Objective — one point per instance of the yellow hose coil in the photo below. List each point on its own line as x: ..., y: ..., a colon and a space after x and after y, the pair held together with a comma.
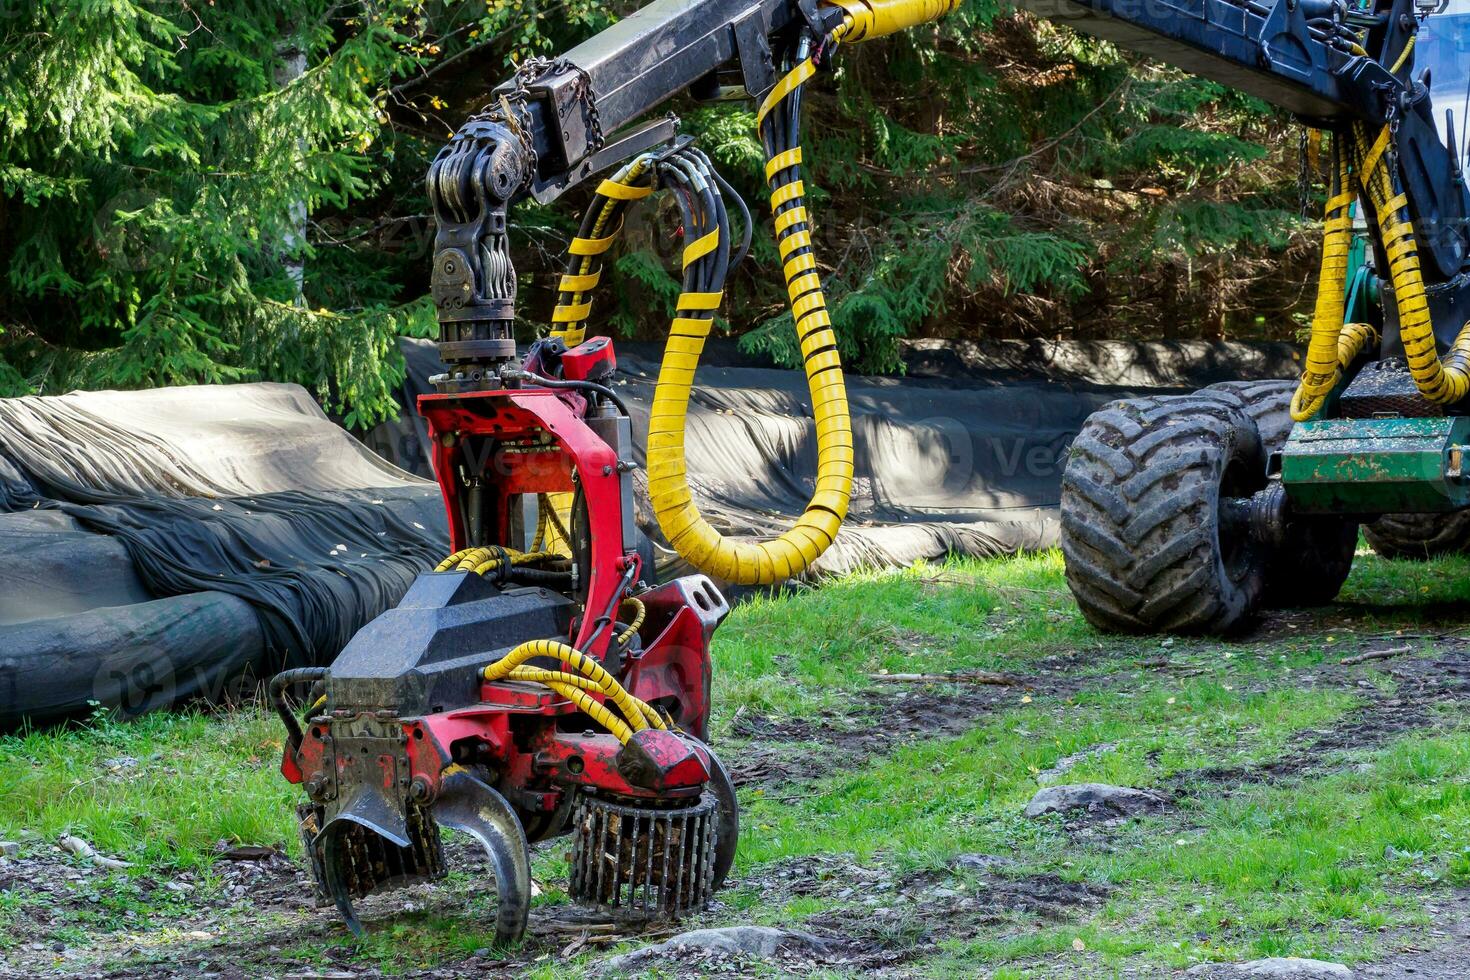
x: 639, y: 714
x: 1365, y: 168
x: 1321, y: 373
x: 539, y: 675
x: 551, y: 528
x: 750, y: 562
x: 482, y: 560
x: 574, y: 305
x: 1444, y: 381
x: 640, y: 613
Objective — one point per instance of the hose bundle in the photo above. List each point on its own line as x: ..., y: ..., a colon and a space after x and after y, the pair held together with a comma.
x: 706, y: 265
x: 578, y: 688
x: 601, y: 226
x: 1366, y: 168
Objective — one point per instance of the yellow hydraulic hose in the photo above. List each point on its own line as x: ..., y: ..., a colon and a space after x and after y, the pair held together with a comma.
x: 639, y: 715
x: 482, y: 560
x: 1321, y: 373
x: 1398, y: 66
x: 640, y: 612
x: 538, y: 675
x: 1444, y: 381
x: 867, y: 19
x: 613, y: 195
x: 743, y: 563
x: 764, y: 562
x: 1365, y: 168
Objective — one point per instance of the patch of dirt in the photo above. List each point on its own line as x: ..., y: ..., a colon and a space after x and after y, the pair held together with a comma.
x: 1423, y: 687
x: 836, y: 741
x: 883, y: 921
x: 73, y: 922
x: 1441, y: 953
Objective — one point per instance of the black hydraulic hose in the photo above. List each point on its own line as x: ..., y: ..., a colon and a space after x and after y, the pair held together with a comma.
x: 746, y: 222
x: 686, y: 210
x: 278, y: 685
x: 540, y: 576
x: 609, y: 615
x: 717, y: 186
x: 715, y: 266
x: 602, y: 390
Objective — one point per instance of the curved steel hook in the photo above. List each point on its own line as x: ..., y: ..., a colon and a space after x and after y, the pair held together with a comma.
x: 468, y: 805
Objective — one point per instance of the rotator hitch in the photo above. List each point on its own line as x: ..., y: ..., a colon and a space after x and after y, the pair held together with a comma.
x: 539, y: 682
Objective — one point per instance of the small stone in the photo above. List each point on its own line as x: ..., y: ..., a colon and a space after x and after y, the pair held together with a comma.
x: 1094, y: 796
x: 981, y: 862
x: 179, y: 888
x: 9, y: 849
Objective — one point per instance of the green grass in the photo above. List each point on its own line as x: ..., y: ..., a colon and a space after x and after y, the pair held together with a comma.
x: 161, y: 790
x: 805, y: 650
x: 1312, y: 864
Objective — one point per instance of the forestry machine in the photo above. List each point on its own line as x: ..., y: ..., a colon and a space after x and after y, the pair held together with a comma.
x: 1188, y: 513
x: 538, y: 683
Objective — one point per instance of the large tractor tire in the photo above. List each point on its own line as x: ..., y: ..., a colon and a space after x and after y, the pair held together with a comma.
x: 1151, y: 518
x: 1316, y: 556
x: 1266, y: 403
x: 1419, y: 537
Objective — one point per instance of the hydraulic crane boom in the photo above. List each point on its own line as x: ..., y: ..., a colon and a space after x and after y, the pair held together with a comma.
x: 556, y: 123
x: 1325, y: 61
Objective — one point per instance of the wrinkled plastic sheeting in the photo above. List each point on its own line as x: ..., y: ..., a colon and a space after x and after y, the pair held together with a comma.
x: 184, y: 543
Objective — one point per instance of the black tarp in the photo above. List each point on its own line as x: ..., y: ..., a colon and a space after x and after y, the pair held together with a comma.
x: 163, y: 545
x: 960, y: 455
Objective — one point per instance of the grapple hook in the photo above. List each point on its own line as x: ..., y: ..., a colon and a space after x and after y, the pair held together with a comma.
x: 370, y: 848
x: 470, y: 806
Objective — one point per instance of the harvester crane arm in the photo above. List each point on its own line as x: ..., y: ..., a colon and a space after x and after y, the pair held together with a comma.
x: 556, y: 123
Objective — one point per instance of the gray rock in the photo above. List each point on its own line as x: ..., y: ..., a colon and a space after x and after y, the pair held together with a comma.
x: 981, y: 862
x: 1094, y: 796
x: 1287, y: 967
x: 9, y: 849
x: 756, y: 942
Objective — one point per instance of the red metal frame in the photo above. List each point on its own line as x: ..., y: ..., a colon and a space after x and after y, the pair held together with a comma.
x: 518, y: 420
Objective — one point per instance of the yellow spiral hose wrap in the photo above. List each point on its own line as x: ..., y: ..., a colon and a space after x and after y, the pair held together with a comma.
x: 867, y: 19
x: 688, y: 532
x: 590, y: 677
x: 574, y: 305
x: 1366, y: 169
x: 1321, y: 373
x: 1443, y: 382
x: 790, y: 554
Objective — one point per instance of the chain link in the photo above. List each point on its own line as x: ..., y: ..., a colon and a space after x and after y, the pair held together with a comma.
x: 534, y: 69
